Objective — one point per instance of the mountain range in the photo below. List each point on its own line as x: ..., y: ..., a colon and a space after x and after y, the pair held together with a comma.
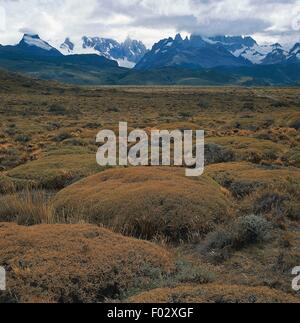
x: 197, y: 60
x: 202, y: 52
x: 127, y: 54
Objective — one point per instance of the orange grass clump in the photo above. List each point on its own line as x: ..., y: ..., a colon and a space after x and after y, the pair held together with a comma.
x: 146, y: 202
x: 74, y: 263
x: 214, y: 293
x: 243, y: 171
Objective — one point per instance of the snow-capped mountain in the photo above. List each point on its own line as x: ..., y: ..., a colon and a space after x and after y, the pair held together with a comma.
x: 33, y: 44
x: 67, y: 47
x: 248, y: 48
x: 193, y: 52
x: 239, y: 46
x: 277, y: 55
x: 294, y: 54
x: 208, y: 52
x: 127, y: 54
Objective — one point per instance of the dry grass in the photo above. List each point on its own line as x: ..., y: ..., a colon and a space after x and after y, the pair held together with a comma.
x: 26, y: 208
x: 214, y: 293
x: 47, y: 140
x: 251, y: 149
x: 146, y: 202
x: 243, y: 178
x: 75, y: 263
x: 57, y: 169
x: 6, y: 185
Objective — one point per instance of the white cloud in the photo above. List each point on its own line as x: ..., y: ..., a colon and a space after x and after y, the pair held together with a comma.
x: 150, y: 20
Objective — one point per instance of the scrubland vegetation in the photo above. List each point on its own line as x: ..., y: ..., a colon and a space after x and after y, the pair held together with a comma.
x: 71, y: 231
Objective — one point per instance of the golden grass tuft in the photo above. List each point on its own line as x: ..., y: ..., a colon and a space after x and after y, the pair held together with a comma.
x: 214, y: 293
x: 75, y: 263
x: 6, y: 185
x: 251, y: 149
x: 56, y: 171
x: 26, y: 208
x: 243, y: 171
x: 146, y: 202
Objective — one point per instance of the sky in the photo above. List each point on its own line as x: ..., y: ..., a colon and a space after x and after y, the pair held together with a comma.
x: 268, y: 21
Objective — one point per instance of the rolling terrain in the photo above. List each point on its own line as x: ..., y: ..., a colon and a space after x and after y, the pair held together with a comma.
x: 231, y: 235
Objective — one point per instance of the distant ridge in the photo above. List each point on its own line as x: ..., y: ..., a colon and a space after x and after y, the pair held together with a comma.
x: 197, y: 60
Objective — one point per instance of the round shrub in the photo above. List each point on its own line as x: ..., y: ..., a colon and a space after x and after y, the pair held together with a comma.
x: 75, y: 263
x: 251, y: 229
x: 146, y: 202
x: 295, y: 124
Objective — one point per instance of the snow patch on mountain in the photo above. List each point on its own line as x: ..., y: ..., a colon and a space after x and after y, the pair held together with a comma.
x: 127, y: 54
x: 35, y: 41
x: 125, y: 63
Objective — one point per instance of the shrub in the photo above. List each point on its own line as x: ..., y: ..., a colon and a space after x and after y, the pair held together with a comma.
x: 244, y: 178
x: 268, y: 202
x: 146, y: 202
x: 251, y: 229
x: 293, y: 210
x: 240, y: 189
x: 10, y: 131
x: 184, y: 272
x: 57, y: 109
x: 53, y: 126
x: 249, y: 106
x: 218, y: 240
x: 10, y: 157
x: 241, y: 233
x: 75, y: 142
x: 217, y: 154
x: 185, y: 114
x: 23, y: 138
x: 75, y: 263
x: 62, y: 136
x: 187, y: 272
x: 58, y: 169
x: 295, y: 124
x: 93, y: 125
x: 213, y: 293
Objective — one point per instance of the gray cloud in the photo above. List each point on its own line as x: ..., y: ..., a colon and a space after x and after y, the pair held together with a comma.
x: 151, y: 20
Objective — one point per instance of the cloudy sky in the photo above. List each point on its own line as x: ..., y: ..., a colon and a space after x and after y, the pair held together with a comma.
x: 149, y: 20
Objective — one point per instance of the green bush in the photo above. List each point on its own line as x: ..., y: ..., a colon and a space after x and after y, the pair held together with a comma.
x: 245, y: 231
x: 57, y: 109
x: 62, y: 136
x: 23, y: 138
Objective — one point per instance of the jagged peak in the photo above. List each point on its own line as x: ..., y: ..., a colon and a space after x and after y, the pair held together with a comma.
x: 178, y: 37
x: 31, y: 35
